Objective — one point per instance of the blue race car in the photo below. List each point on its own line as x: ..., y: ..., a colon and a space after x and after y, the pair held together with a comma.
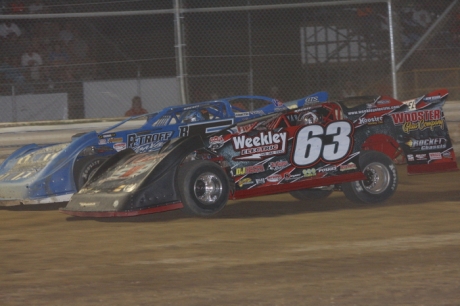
x: 36, y: 174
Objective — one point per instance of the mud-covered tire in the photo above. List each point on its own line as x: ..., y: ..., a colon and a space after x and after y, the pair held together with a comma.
x: 84, y: 168
x: 203, y: 187
x: 310, y: 195
x: 381, y: 182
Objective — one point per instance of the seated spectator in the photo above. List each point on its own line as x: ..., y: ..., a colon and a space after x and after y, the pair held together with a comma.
x: 79, y: 47
x: 369, y: 23
x: 32, y: 60
x: 348, y: 90
x: 36, y: 7
x: 58, y: 60
x: 421, y: 16
x: 16, y: 7
x: 455, y: 29
x: 10, y: 42
x: 9, y: 28
x: 12, y: 74
x: 275, y: 93
x: 136, y: 108
x: 66, y: 34
x: 411, y: 30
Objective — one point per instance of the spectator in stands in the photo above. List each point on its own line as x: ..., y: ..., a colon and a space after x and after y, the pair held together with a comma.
x: 12, y: 74
x: 348, y: 90
x: 136, y: 108
x: 421, y: 16
x: 36, y: 7
x: 58, y: 59
x: 369, y: 23
x: 78, y: 46
x: 8, y: 28
x: 16, y: 7
x: 275, y: 93
x: 455, y: 30
x: 32, y: 60
x: 411, y: 30
x: 66, y: 34
x: 10, y: 44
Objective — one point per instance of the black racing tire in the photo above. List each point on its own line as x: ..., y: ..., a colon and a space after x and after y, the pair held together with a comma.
x: 311, y: 194
x: 84, y: 168
x: 381, y: 182
x: 203, y: 187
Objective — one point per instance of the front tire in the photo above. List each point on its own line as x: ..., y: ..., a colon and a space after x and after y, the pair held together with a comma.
x: 84, y: 168
x: 203, y: 187
x: 381, y: 182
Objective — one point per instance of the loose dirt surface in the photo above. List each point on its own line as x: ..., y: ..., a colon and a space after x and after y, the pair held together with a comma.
x: 271, y: 250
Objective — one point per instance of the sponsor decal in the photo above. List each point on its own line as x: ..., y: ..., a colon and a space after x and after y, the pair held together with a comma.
x: 447, y: 154
x: 420, y: 156
x: 115, y: 140
x: 110, y: 135
x: 135, y: 140
x: 245, y: 128
x: 382, y: 102
x: 155, y: 146
x: 119, y: 146
x: 347, y: 167
x: 260, y: 181
x: 372, y: 109
x: 427, y: 144
x: 311, y: 99
x: 419, y: 120
x: 309, y: 172
x: 102, y: 141
x: 370, y: 121
x: 290, y: 177
x: 245, y: 181
x: 432, y: 98
x: 278, y: 165
x: 249, y: 170
x: 261, y: 146
x: 274, y: 178
x: 87, y: 204
x: 410, y: 157
x: 246, y: 114
x: 435, y: 155
x: 216, y: 142
x: 327, y: 169
x: 191, y: 107
x: 411, y: 104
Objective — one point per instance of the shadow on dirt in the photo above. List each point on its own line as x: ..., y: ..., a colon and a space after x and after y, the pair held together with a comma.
x: 34, y: 207
x: 266, y: 209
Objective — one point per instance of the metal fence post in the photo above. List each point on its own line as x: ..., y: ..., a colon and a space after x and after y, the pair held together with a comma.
x: 180, y: 57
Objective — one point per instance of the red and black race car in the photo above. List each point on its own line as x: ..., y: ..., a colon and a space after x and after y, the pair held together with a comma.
x: 310, y: 152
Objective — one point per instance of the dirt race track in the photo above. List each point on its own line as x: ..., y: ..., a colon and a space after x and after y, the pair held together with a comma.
x: 270, y: 250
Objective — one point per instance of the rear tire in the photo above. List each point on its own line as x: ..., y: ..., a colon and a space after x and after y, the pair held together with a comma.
x: 381, y: 182
x: 85, y: 168
x: 203, y: 187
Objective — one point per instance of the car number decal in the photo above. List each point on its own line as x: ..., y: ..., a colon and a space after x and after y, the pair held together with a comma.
x: 315, y: 143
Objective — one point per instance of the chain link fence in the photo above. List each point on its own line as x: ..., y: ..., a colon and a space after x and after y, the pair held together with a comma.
x: 88, y: 59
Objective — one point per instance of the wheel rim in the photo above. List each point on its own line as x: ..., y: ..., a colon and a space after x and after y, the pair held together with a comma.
x: 378, y: 178
x: 207, y: 188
